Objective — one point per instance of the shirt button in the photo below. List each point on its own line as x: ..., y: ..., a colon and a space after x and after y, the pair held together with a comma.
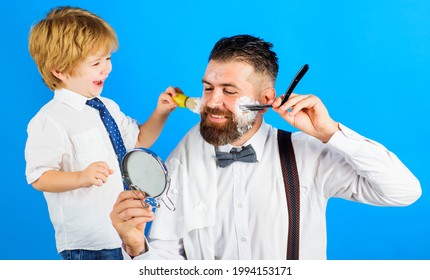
x: 239, y: 205
x: 243, y: 239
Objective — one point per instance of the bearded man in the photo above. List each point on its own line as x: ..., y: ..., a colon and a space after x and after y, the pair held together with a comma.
x: 235, y: 206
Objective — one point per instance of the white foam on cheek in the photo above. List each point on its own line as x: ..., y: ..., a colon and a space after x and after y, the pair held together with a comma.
x: 245, y: 117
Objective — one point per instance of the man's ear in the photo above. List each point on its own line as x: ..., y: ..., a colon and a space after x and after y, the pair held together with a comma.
x: 59, y: 75
x: 268, y: 95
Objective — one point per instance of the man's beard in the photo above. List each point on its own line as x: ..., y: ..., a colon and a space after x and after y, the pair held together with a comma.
x: 225, y: 133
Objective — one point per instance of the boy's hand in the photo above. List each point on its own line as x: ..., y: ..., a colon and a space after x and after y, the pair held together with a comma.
x: 165, y: 102
x: 95, y: 174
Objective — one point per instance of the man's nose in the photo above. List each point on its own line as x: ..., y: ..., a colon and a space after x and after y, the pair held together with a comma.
x: 215, y: 99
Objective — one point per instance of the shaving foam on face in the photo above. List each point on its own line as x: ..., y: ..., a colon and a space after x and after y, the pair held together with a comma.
x: 245, y: 117
x: 214, y: 76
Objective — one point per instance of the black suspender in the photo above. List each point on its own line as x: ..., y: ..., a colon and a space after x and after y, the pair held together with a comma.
x: 292, y: 191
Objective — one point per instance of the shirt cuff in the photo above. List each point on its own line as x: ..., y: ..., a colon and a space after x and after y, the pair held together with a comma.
x: 128, y: 257
x: 346, y: 141
x: 36, y: 174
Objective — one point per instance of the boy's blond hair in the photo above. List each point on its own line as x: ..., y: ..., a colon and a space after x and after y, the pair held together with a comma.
x: 67, y: 36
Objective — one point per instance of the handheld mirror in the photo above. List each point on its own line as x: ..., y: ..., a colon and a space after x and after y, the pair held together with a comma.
x: 145, y: 172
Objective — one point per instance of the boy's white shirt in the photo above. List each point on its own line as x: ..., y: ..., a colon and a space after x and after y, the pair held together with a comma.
x: 68, y: 135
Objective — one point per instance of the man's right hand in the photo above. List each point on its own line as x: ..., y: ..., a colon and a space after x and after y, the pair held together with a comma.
x: 129, y: 218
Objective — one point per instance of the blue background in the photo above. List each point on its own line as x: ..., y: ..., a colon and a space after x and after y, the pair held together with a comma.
x: 369, y: 63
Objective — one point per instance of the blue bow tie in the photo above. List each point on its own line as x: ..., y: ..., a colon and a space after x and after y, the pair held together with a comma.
x: 247, y: 154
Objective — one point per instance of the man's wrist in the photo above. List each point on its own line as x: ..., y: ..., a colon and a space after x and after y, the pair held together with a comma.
x: 330, y: 132
x: 134, y: 252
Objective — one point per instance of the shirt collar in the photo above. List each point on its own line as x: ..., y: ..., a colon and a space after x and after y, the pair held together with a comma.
x: 70, y: 98
x: 257, y: 141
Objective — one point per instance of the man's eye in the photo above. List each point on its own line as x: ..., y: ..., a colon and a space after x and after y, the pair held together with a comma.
x: 229, y: 92
x: 208, y: 89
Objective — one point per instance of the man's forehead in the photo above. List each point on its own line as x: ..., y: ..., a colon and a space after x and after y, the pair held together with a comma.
x: 213, y: 76
x: 227, y: 72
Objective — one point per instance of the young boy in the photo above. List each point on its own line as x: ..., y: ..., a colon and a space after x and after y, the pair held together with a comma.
x: 69, y: 154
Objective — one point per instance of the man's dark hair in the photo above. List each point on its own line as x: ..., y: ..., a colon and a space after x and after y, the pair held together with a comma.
x: 252, y: 50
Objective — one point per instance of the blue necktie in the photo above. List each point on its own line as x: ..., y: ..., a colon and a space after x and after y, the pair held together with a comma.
x: 111, y: 127
x: 247, y: 154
